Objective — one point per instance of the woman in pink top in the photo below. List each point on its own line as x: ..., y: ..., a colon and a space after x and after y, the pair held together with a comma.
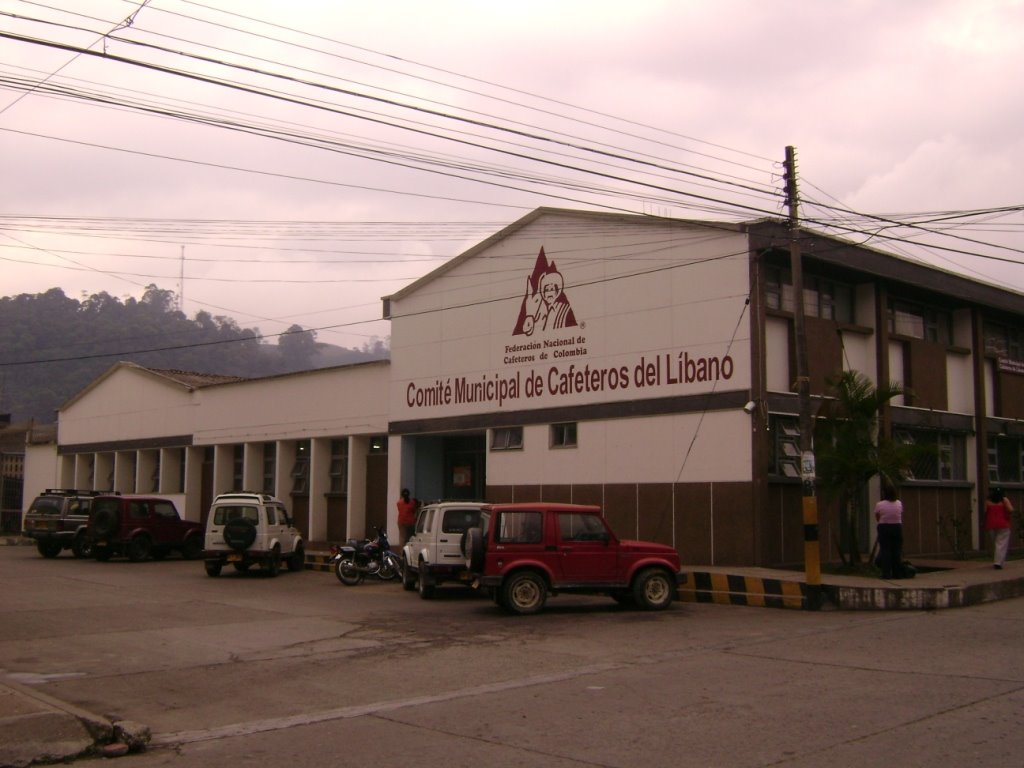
x: 997, y: 520
x: 889, y: 517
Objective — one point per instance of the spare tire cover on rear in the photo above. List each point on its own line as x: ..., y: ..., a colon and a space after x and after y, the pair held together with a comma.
x: 105, y: 521
x: 473, y: 548
x: 239, y: 533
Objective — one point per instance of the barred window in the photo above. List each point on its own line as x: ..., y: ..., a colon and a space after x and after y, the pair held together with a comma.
x: 1004, y: 341
x: 939, y: 455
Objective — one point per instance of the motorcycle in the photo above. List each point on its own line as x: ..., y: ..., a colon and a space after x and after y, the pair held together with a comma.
x: 355, y: 560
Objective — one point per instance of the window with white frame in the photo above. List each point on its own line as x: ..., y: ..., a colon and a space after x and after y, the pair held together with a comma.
x: 823, y: 297
x: 785, y: 446
x: 269, y: 467
x: 507, y: 439
x: 339, y: 466
x: 300, y: 469
x: 238, y: 467
x: 563, y: 435
x: 1005, y: 459
x: 919, y: 321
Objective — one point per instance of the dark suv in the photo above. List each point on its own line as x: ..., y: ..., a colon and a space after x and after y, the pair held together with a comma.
x: 141, y: 527
x: 57, y: 520
x: 524, y: 552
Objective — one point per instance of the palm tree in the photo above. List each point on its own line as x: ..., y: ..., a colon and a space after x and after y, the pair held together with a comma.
x: 849, y: 450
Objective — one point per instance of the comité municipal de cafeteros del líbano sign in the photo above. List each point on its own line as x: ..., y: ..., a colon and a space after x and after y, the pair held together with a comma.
x: 546, y: 358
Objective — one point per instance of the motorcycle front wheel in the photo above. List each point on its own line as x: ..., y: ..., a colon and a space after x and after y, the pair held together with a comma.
x: 390, y: 568
x: 347, y: 573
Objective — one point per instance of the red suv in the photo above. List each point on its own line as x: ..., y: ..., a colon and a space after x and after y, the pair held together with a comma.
x: 524, y: 552
x: 141, y: 527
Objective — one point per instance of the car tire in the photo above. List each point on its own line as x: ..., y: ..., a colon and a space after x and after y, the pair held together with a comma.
x: 139, y: 548
x: 81, y: 547
x: 625, y: 599
x: 213, y: 567
x: 192, y: 547
x: 473, y: 549
x: 408, y: 577
x: 239, y: 534
x: 424, y: 584
x: 653, y: 590
x: 524, y: 593
x: 104, y: 522
x: 49, y: 549
x: 297, y: 560
x: 273, y: 563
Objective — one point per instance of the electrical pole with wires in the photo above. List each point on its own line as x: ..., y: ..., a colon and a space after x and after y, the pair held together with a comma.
x: 812, y: 551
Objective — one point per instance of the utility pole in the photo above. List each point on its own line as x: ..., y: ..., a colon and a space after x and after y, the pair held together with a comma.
x: 812, y: 551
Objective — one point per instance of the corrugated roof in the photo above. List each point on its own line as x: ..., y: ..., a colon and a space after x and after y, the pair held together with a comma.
x: 195, y: 379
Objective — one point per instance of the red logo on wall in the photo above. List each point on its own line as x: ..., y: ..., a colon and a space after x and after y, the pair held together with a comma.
x: 544, y: 304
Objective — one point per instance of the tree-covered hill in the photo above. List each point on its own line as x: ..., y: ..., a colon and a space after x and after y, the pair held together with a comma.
x: 52, y: 346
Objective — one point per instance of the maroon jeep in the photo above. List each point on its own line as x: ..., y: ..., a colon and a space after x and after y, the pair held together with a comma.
x: 141, y: 527
x: 522, y: 553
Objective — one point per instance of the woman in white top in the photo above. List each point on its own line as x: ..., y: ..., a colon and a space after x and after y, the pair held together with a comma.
x: 889, y: 517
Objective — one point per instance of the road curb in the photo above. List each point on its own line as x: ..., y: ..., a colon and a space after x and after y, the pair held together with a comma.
x: 730, y: 588
x: 35, y: 727
x: 736, y: 589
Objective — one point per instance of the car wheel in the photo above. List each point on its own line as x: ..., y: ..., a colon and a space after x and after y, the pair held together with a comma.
x: 139, y: 548
x: 473, y: 549
x: 424, y: 584
x: 239, y: 534
x: 408, y: 577
x: 653, y: 590
x: 524, y: 593
x: 49, y: 549
x: 192, y: 547
x: 81, y: 547
x: 297, y: 561
x: 213, y: 567
x: 104, y: 522
x: 101, y: 553
x: 273, y: 564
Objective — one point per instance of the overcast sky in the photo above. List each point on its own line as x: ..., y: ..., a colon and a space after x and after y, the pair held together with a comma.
x: 296, y: 161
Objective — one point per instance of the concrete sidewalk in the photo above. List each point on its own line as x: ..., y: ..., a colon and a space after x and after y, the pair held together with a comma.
x: 938, y: 584
x: 37, y: 728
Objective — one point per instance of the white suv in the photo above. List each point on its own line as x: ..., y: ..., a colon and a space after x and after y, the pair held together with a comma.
x: 251, y: 528
x: 433, y: 554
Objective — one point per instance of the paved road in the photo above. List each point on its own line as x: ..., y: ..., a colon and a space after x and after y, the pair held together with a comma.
x: 248, y: 669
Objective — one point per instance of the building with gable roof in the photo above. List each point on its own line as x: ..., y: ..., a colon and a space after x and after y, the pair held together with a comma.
x: 643, y: 364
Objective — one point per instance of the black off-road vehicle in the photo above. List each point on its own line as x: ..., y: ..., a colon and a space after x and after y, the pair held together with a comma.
x: 57, y: 520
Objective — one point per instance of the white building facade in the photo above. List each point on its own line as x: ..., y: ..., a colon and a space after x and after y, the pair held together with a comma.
x: 643, y: 364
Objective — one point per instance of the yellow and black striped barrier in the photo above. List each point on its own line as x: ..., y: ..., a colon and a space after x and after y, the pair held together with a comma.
x: 730, y: 589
